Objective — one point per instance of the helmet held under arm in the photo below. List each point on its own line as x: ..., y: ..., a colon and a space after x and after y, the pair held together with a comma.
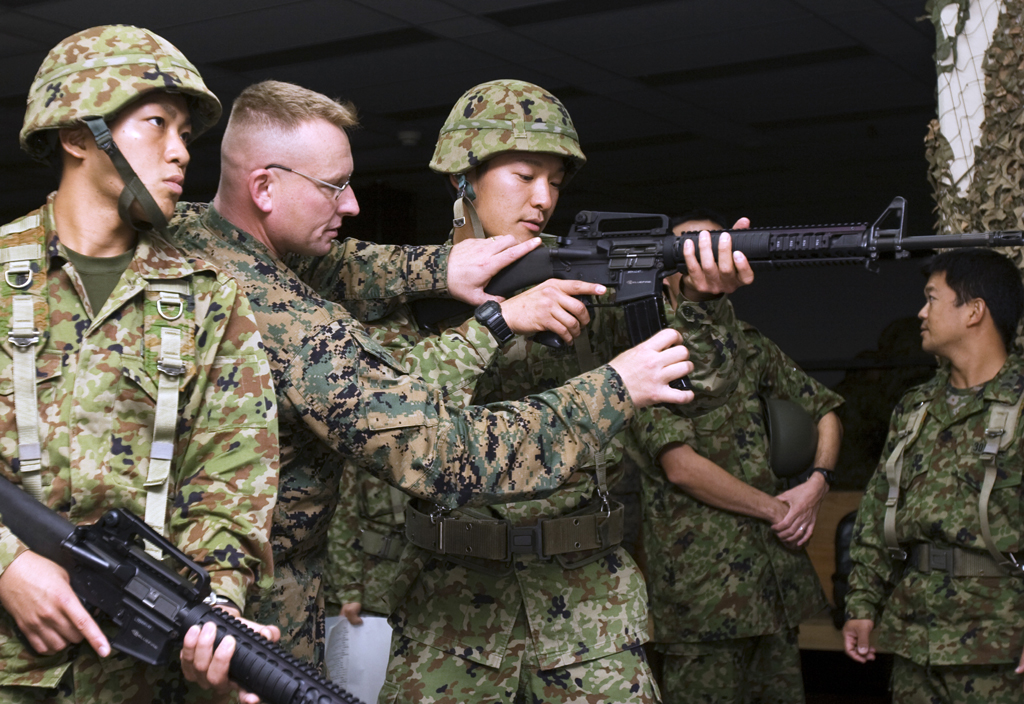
x: 89, y: 77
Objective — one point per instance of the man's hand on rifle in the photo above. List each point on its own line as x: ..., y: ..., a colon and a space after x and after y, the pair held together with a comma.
x: 473, y: 262
x: 648, y: 368
x: 38, y: 594
x: 550, y: 306
x: 207, y: 667
x: 708, y: 278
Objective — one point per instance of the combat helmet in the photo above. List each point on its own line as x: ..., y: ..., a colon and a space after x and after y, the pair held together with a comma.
x: 92, y: 75
x: 502, y: 116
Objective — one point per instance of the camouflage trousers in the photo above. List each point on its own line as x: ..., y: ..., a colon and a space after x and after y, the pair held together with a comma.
x: 295, y: 604
x: 955, y: 684
x: 419, y: 674
x: 763, y: 669
x: 119, y: 679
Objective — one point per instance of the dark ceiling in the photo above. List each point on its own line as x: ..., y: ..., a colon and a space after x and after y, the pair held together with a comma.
x: 787, y: 111
x: 782, y: 110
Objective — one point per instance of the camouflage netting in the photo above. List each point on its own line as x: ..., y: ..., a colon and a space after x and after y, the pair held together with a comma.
x: 993, y: 200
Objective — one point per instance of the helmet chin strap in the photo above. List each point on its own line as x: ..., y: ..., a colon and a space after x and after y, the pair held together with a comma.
x: 466, y: 223
x: 134, y: 190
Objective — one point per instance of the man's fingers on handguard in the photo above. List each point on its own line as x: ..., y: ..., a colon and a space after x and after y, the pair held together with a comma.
x: 725, y: 262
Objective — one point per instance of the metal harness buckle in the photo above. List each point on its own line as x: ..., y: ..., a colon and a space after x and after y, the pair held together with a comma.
x: 898, y: 554
x: 23, y: 339
x: 18, y: 269
x: 170, y: 369
x: 1017, y: 568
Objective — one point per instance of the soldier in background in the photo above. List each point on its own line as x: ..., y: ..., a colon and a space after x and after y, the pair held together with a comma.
x: 556, y: 612
x: 152, y: 389
x: 728, y: 579
x: 284, y: 190
x: 364, y: 546
x: 937, y: 546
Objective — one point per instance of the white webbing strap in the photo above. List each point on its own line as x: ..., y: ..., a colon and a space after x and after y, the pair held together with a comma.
x: 170, y: 366
x: 893, y: 472
x: 999, y: 433
x: 23, y: 338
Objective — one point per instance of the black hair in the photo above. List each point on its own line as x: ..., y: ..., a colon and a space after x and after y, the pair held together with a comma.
x: 988, y: 275
x: 699, y: 214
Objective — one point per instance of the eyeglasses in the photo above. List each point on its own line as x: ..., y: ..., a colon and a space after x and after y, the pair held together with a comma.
x: 337, y: 189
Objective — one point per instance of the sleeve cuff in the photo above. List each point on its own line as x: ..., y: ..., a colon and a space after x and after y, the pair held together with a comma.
x: 604, y: 395
x: 10, y: 548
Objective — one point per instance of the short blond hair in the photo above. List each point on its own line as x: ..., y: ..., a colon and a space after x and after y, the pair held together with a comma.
x: 286, y: 106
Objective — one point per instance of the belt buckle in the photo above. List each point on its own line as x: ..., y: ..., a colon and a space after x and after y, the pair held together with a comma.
x: 940, y: 559
x: 526, y: 540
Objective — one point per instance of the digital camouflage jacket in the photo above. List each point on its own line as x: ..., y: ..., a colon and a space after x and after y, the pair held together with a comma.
x: 713, y: 574
x: 96, y: 385
x: 342, y: 395
x: 935, y: 619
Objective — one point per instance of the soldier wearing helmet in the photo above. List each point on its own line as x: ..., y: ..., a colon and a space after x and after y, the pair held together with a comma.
x: 133, y: 355
x: 533, y: 597
x: 284, y: 190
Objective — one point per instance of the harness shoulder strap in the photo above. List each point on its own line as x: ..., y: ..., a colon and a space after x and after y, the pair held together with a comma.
x: 22, y: 255
x: 999, y: 434
x: 166, y: 299
x: 894, y: 471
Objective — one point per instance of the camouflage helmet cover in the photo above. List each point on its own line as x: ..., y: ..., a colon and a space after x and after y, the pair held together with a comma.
x: 502, y: 116
x: 99, y: 71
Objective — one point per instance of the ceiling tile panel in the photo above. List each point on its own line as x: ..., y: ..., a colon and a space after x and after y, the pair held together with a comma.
x: 289, y: 26
x: 79, y: 14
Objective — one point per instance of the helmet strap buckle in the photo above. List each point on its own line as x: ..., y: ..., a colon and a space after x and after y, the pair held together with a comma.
x: 466, y: 223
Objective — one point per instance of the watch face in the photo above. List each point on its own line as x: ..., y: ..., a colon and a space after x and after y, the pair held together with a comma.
x: 487, y: 310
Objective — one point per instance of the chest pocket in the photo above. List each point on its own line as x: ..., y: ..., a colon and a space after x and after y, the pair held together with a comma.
x: 48, y: 371
x: 1004, y: 497
x: 48, y: 366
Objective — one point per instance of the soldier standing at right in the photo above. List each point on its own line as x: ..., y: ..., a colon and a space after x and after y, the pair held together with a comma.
x: 937, y: 547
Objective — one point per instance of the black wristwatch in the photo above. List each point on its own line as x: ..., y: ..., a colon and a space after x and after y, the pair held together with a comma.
x: 489, y: 315
x: 830, y: 476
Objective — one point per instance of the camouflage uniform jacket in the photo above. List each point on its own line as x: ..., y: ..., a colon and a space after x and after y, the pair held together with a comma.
x: 935, y: 619
x: 368, y: 510
x: 341, y: 393
x: 96, y: 382
x: 574, y: 614
x: 713, y: 574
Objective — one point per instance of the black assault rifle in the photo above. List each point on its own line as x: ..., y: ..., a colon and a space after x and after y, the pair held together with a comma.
x: 152, y: 603
x: 633, y: 252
